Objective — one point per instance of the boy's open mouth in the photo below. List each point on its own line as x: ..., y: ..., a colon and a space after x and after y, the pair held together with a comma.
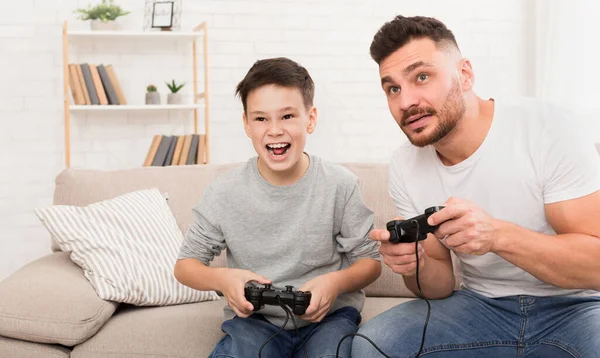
x: 278, y: 148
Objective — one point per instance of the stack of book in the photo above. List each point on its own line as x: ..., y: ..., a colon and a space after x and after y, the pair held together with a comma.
x: 95, y: 84
x: 168, y: 150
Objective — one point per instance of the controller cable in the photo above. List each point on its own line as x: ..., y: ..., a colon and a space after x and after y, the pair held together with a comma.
x: 288, y: 315
x: 337, y: 352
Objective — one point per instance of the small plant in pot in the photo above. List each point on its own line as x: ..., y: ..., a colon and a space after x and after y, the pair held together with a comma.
x: 103, y: 15
x: 174, y: 97
x: 152, y: 97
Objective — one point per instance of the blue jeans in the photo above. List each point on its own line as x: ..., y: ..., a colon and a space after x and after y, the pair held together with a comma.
x: 467, y: 324
x: 245, y: 336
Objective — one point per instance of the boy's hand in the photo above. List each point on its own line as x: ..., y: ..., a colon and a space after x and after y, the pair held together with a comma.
x: 233, y: 284
x: 324, y: 291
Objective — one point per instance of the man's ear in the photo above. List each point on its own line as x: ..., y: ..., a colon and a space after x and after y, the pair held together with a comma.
x: 466, y: 74
x: 312, y: 120
x: 246, y: 125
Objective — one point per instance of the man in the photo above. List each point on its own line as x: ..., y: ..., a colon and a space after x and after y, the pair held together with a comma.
x: 520, y: 184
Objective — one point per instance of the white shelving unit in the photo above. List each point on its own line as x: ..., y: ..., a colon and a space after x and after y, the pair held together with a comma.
x: 199, y: 32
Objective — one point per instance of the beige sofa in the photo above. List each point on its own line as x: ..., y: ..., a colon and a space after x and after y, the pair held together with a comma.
x: 48, y: 308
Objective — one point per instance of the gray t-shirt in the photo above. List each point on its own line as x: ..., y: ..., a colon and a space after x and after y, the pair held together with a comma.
x: 288, y: 234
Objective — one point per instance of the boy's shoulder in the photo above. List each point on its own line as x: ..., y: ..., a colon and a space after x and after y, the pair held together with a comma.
x: 335, y: 172
x: 231, y: 178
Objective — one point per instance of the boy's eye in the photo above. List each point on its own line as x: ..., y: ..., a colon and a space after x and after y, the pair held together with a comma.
x: 422, y: 77
x: 288, y: 116
x: 260, y: 119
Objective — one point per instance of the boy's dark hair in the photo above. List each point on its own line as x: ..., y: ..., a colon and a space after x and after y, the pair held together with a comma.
x: 279, y: 71
x: 398, y: 32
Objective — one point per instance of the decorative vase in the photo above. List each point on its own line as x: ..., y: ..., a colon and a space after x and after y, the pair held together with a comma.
x: 152, y: 98
x: 174, y: 98
x: 98, y: 25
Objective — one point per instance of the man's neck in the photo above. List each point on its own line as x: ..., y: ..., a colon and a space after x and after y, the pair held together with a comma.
x: 469, y: 133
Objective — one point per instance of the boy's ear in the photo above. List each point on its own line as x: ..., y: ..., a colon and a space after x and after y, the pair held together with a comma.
x: 246, y: 126
x: 312, y: 120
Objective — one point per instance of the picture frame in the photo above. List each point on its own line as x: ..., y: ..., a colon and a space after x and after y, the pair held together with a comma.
x: 162, y: 15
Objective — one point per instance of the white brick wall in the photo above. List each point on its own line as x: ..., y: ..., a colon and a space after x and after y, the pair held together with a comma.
x: 329, y: 37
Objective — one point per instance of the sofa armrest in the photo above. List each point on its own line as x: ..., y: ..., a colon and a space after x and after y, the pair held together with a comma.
x: 50, y: 301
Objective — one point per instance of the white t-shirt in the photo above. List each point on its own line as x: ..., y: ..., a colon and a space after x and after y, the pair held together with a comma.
x: 533, y: 154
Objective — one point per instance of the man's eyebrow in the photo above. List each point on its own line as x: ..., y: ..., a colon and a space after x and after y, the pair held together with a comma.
x: 386, y: 79
x: 414, y: 66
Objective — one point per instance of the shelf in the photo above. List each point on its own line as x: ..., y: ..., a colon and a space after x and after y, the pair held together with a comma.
x: 140, y: 34
x: 141, y: 107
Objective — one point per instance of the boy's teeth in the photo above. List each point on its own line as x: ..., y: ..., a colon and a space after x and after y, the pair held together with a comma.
x: 277, y: 145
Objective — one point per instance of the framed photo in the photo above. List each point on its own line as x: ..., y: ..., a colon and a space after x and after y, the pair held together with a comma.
x: 162, y: 15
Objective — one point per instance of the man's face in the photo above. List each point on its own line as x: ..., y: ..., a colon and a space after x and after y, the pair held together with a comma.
x: 278, y: 122
x: 423, y: 90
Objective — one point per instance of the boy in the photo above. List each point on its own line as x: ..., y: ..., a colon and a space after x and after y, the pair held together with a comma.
x: 286, y: 218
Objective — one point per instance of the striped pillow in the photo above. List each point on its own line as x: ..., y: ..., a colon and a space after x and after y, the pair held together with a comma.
x: 127, y: 247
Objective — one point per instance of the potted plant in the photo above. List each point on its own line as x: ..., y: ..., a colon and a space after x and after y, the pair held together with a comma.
x: 174, y: 97
x: 103, y: 15
x: 152, y: 97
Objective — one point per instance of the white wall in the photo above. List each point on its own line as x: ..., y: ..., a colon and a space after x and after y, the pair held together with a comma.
x: 330, y: 38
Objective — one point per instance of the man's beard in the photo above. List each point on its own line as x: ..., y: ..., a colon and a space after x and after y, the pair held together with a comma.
x: 449, y: 115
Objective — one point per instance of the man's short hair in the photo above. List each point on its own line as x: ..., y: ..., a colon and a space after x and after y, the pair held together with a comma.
x: 398, y: 32
x: 278, y: 71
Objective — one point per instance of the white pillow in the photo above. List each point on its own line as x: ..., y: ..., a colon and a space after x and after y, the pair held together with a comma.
x: 127, y: 247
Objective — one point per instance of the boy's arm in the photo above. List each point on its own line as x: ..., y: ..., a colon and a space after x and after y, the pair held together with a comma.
x: 353, y: 240
x: 356, y: 277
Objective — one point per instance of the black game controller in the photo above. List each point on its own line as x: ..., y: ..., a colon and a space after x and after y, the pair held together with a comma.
x: 405, y: 230
x: 298, y: 301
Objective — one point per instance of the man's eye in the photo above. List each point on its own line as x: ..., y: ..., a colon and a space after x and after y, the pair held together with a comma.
x: 422, y: 77
x: 393, y: 89
x: 288, y: 116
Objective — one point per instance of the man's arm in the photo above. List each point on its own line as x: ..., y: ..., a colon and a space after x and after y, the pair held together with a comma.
x: 436, y: 274
x: 569, y: 259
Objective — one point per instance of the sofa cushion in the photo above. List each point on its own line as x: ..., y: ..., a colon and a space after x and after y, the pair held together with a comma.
x: 50, y: 301
x: 189, y: 330
x: 127, y: 247
x: 15, y: 348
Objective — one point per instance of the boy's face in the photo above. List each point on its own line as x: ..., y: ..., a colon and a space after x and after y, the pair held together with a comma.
x: 277, y: 122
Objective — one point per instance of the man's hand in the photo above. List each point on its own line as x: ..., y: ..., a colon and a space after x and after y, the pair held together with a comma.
x: 233, y: 284
x: 324, y: 291
x: 399, y: 257
x: 470, y: 229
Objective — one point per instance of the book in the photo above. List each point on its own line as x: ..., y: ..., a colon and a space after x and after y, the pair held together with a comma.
x: 178, y: 148
x: 152, y: 150
x: 111, y: 95
x: 193, y: 150
x: 171, y: 151
x: 163, y: 149
x: 75, y: 85
x: 89, y: 83
x: 201, y: 157
x: 86, y: 95
x: 185, y: 151
x: 98, y: 85
x: 116, y: 85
